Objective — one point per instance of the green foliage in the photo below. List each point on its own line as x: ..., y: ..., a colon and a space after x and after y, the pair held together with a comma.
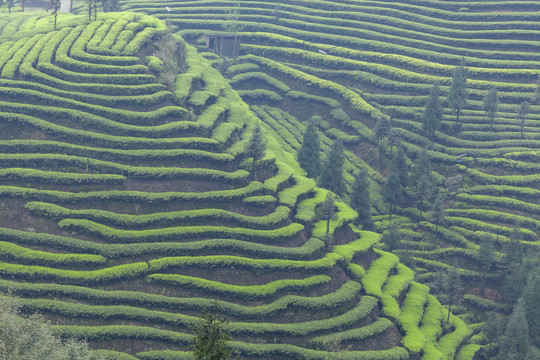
x: 332, y: 169
x: 309, y: 154
x: 360, y: 200
x: 457, y: 95
x: 433, y: 112
x: 211, y: 338
x: 378, y: 272
x: 32, y: 338
x: 515, y: 343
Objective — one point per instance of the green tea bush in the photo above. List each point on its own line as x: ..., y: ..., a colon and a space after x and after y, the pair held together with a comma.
x: 249, y: 292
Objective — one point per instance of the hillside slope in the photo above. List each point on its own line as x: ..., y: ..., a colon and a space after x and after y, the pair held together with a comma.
x: 355, y: 62
x: 127, y: 209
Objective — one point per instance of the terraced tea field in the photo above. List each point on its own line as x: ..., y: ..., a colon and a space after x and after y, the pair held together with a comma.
x: 127, y: 210
x: 354, y: 62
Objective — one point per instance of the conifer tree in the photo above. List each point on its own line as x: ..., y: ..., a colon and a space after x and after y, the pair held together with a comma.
x: 400, y: 164
x: 256, y: 148
x: 309, y: 155
x: 421, y: 166
x: 492, y: 327
x: 422, y: 191
x: 433, y: 112
x: 54, y: 5
x: 361, y: 201
x: 382, y: 130
x: 327, y: 211
x: 10, y: 5
x: 531, y: 298
x: 436, y: 213
x: 514, y: 282
x: 391, y: 237
x: 394, y: 139
x: 523, y: 110
x: 490, y: 105
x: 452, y: 288
x: 332, y: 169
x: 392, y: 190
x: 210, y: 338
x: 515, y: 342
x: 457, y: 96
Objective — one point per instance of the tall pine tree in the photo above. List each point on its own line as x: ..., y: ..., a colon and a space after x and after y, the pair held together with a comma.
x: 309, y: 155
x: 457, y: 96
x: 210, y: 340
x: 360, y: 200
x: 515, y: 342
x: 490, y: 105
x: 332, y: 169
x: 256, y: 148
x: 400, y: 163
x: 433, y: 112
x: 392, y: 190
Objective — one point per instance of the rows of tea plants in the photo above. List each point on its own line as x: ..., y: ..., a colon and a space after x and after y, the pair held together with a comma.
x: 350, y: 64
x: 129, y: 209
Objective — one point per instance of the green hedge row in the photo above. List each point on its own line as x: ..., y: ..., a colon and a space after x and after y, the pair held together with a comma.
x: 408, y: 59
x: 505, y: 190
x: 350, y: 318
x: 449, y: 343
x: 58, y: 178
x: 377, y: 273
x: 250, y: 292
x: 495, y: 216
x: 262, y: 200
x: 260, y: 76
x: 153, y: 94
x: 122, y: 142
x: 512, y: 180
x: 283, y: 351
x: 392, y: 289
x: 500, y: 202
x: 49, y: 51
x: 16, y: 147
x: 412, y: 310
x: 305, y: 210
x: 431, y: 323
x: 343, y: 295
x: 313, y: 98
x: 486, y: 304
x: 56, y: 212
x: 344, y: 215
x: 93, y: 35
x: 376, y: 41
x: 180, y: 232
x: 355, y: 100
x: 122, y: 171
x: 302, y: 187
x: 13, y: 252
x: 327, y: 262
x: 90, y: 277
x: 12, y: 65
x: 131, y: 196
x: 102, y: 113
x: 310, y: 248
x: 63, y: 59
x: 127, y: 313
x: 9, y: 49
x: 260, y: 94
x: 241, y: 68
x: 103, y: 41
x: 358, y: 334
x: 363, y: 244
x: 437, y: 266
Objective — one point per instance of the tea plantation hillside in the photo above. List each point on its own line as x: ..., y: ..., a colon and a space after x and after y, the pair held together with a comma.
x: 128, y: 209
x: 361, y: 67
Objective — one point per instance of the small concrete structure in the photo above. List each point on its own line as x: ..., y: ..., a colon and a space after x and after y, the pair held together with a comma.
x: 223, y: 45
